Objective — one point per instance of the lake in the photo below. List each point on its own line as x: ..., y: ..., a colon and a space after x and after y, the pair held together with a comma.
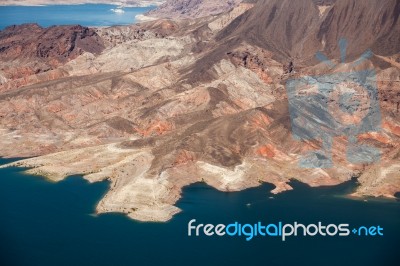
x: 45, y: 223
x: 85, y: 15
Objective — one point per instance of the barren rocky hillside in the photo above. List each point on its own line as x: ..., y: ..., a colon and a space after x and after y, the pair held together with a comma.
x: 192, y: 8
x: 157, y: 106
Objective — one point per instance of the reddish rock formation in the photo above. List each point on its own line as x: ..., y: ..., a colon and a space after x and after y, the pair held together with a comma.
x: 44, y: 48
x: 57, y: 43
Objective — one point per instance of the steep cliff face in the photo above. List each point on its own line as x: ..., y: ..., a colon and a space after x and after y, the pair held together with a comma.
x: 192, y: 8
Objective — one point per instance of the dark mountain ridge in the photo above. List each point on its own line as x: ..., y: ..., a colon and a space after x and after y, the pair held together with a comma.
x: 297, y: 30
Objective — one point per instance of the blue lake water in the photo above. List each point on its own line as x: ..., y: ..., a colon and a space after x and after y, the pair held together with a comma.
x: 44, y: 223
x: 85, y: 15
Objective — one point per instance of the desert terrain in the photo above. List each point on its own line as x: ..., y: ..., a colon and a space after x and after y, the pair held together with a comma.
x: 159, y: 105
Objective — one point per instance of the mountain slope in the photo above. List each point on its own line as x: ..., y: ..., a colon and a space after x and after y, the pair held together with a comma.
x: 296, y: 30
x: 30, y: 49
x: 172, y: 102
x: 192, y: 8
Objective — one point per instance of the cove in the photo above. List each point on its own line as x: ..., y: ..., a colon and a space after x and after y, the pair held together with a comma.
x: 45, y: 223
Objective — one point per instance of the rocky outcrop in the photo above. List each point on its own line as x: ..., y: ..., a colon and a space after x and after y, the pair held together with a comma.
x: 57, y: 44
x: 43, y: 48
